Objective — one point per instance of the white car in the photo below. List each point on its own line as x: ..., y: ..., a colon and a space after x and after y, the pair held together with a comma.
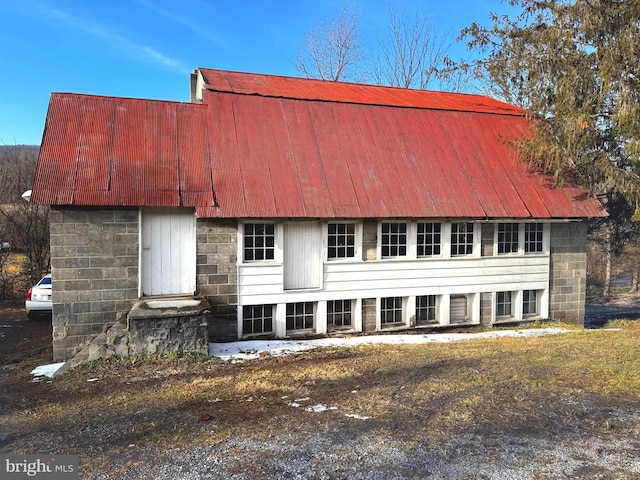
x: 38, y: 300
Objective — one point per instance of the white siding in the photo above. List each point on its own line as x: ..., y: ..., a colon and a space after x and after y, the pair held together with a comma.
x: 264, y: 283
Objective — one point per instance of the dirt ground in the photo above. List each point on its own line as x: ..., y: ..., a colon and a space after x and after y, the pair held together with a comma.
x: 189, y: 439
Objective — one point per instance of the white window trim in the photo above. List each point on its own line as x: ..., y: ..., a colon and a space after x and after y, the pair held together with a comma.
x: 413, y: 308
x: 405, y: 313
x: 277, y: 253
x: 477, y: 243
x: 358, y: 242
x: 442, y: 238
x: 546, y: 239
x: 411, y: 241
x: 520, y: 250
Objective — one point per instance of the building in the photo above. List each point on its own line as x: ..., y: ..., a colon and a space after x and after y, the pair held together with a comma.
x: 302, y: 207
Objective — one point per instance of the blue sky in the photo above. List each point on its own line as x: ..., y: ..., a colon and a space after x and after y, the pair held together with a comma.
x: 147, y: 48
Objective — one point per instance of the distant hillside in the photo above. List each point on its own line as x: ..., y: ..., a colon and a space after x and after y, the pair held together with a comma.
x: 17, y: 168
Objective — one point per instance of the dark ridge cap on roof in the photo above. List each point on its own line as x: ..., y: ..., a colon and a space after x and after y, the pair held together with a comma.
x: 279, y: 86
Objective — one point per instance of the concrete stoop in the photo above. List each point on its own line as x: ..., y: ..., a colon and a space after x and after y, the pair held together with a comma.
x: 154, y: 326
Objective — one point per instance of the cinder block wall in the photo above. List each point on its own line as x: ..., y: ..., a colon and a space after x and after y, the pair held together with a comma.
x: 217, y: 274
x: 568, y: 272
x: 94, y: 266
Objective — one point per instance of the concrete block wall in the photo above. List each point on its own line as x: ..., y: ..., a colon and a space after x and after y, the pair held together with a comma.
x: 369, y: 311
x: 94, y: 265
x: 568, y: 272
x: 217, y: 274
x: 370, y: 239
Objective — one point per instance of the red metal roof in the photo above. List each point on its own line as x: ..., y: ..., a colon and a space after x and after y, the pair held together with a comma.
x: 265, y: 146
x: 309, y: 89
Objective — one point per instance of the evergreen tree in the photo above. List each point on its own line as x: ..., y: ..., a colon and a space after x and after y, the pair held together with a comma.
x: 575, y: 67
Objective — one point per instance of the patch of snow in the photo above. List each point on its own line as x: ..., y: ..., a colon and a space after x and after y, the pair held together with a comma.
x: 319, y: 408
x: 6, y: 326
x: 46, y: 370
x: 93, y: 379
x: 252, y: 349
x: 356, y: 416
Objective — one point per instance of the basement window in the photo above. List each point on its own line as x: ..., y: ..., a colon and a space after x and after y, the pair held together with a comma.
x: 257, y: 319
x: 300, y: 316
x: 426, y: 310
x: 530, y: 303
x: 459, y: 309
x: 390, y: 310
x: 339, y: 314
x: 504, y: 305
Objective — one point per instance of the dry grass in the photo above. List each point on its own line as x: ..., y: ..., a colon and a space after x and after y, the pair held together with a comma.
x: 521, y: 384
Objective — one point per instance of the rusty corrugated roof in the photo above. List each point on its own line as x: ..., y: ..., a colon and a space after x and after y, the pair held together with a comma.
x: 266, y: 146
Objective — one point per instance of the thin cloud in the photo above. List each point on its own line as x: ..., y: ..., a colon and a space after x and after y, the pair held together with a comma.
x: 203, y: 32
x: 123, y: 44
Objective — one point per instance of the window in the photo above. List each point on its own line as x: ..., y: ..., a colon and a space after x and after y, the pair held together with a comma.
x: 461, y: 239
x: 390, y: 310
x: 259, y: 241
x: 503, y: 304
x: 257, y: 319
x: 426, y: 309
x: 299, y: 316
x: 507, y: 238
x: 394, y: 240
x: 339, y: 314
x: 533, y: 234
x: 341, y: 240
x: 529, y: 302
x: 428, y: 239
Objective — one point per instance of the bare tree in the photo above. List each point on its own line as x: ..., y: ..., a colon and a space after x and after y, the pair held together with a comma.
x: 24, y: 225
x: 412, y: 53
x: 333, y: 49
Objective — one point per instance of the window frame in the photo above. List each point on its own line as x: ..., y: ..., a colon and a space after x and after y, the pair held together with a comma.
x: 357, y: 247
x: 510, y: 243
x: 504, y: 302
x: 407, y: 239
x: 305, y: 314
x: 398, y: 307
x: 543, y: 241
x: 472, y: 245
x: 435, y: 309
x: 528, y: 301
x: 261, y: 318
x: 432, y: 244
x: 242, y: 243
x: 332, y: 313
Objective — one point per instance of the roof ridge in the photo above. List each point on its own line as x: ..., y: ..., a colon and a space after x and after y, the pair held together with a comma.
x: 279, y: 86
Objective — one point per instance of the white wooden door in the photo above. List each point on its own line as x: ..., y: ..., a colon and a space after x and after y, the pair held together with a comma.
x: 302, y: 255
x: 168, y: 251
